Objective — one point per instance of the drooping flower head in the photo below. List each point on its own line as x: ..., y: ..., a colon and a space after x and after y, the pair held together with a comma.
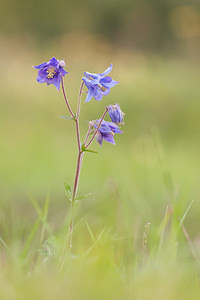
x: 98, y: 84
x: 115, y: 113
x: 106, y: 131
x: 51, y: 71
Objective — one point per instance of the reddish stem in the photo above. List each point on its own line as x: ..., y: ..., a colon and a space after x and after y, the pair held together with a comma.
x: 79, y: 101
x: 65, y: 96
x: 89, y: 128
x: 103, y: 116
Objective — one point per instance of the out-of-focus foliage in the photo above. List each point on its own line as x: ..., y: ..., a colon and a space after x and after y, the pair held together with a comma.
x: 135, y: 24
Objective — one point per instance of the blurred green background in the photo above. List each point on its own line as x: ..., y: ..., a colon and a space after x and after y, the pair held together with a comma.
x: 154, y: 47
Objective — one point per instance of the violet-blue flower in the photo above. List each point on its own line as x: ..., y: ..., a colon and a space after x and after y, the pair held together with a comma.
x: 106, y: 131
x: 98, y: 84
x: 115, y: 113
x: 51, y: 72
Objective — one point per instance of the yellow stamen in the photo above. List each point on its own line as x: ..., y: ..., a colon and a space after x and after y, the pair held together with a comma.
x: 99, y: 85
x: 102, y: 87
x: 51, y: 72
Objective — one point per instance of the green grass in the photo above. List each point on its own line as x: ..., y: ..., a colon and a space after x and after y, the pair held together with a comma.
x: 150, y: 176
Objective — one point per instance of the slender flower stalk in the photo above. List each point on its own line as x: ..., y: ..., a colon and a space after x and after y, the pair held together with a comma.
x: 77, y: 117
x: 88, y: 132
x: 92, y: 138
x: 79, y: 101
x: 71, y: 112
x: 66, y: 100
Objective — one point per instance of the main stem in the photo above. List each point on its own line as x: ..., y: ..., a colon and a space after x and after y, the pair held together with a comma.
x: 80, y: 154
x: 79, y: 160
x: 76, y: 180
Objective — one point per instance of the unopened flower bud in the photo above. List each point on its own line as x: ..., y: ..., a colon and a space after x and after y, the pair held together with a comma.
x: 115, y: 113
x: 62, y: 63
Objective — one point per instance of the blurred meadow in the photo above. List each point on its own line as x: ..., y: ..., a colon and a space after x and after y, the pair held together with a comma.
x: 138, y: 235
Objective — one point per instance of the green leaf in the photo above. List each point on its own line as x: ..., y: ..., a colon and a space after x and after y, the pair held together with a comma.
x: 92, y: 151
x: 83, y: 147
x: 68, y: 191
x: 85, y: 196
x: 68, y: 118
x: 90, y: 231
x: 31, y: 235
x: 185, y: 214
x: 86, y: 150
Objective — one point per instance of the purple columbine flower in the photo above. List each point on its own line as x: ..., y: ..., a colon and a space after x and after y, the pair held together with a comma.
x: 51, y: 71
x: 115, y: 113
x: 106, y: 131
x: 98, y: 84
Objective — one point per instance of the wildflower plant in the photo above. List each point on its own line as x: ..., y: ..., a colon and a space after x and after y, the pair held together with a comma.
x: 98, y: 85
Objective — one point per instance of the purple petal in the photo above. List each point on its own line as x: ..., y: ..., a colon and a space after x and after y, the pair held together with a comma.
x: 114, y: 127
x: 41, y: 66
x: 99, y: 138
x: 56, y: 81
x: 106, y: 79
x: 41, y: 76
x: 105, y: 129
x: 90, y: 94
x: 109, y: 84
x: 62, y: 71
x: 109, y: 138
x: 117, y: 130
x: 107, y: 71
x: 106, y: 92
x: 91, y: 75
x: 97, y: 94
x: 86, y: 81
x: 54, y: 62
x: 41, y: 79
x: 90, y: 83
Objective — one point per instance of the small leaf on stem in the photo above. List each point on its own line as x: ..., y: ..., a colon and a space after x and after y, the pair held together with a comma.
x: 83, y: 149
x: 85, y: 196
x: 68, y: 191
x: 92, y: 151
x: 68, y: 118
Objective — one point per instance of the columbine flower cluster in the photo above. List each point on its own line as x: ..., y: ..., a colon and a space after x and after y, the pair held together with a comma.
x: 98, y: 85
